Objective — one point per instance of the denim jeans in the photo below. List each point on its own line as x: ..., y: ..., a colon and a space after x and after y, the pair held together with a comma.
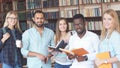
x: 61, y: 66
x: 4, y: 65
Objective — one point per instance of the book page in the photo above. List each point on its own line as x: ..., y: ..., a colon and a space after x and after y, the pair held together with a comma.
x: 78, y: 52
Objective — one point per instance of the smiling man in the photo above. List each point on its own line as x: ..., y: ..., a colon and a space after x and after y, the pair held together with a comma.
x: 83, y: 39
x: 35, y: 43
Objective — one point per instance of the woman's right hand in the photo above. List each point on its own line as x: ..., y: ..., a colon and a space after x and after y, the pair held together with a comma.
x: 5, y: 37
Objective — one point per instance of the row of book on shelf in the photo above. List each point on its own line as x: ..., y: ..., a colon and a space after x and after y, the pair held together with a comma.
x: 91, y: 25
x: 6, y: 0
x: 9, y: 5
x: 50, y: 3
x: 77, y: 2
x: 19, y: 5
x: 96, y: 1
x: 38, y: 4
x: 70, y: 12
x: 32, y: 4
x: 94, y: 25
x: 88, y: 12
x: 91, y: 11
x: 6, y: 7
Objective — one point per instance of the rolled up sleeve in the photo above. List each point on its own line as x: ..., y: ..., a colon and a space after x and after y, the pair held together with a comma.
x: 25, y: 42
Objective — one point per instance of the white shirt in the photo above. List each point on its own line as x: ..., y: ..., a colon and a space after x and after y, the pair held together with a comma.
x: 90, y: 43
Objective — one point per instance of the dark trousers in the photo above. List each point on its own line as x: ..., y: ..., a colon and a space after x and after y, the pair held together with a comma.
x: 61, y: 66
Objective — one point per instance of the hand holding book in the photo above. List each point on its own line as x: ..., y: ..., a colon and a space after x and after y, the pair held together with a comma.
x: 61, y: 44
x: 70, y: 56
x: 101, y: 57
x: 77, y: 52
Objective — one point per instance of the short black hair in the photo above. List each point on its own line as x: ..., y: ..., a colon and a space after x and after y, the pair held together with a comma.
x: 38, y: 11
x: 77, y: 16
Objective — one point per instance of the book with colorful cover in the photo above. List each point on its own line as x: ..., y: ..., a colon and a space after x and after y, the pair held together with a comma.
x: 102, y: 56
x: 78, y: 52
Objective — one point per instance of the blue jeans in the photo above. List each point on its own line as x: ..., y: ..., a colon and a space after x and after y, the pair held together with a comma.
x: 4, y: 65
x: 61, y: 66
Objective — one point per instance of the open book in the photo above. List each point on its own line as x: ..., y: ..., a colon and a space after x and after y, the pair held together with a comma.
x: 61, y: 44
x: 78, y: 52
x: 102, y: 56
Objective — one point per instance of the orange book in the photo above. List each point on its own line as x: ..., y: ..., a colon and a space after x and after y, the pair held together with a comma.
x: 102, y: 56
x: 78, y: 52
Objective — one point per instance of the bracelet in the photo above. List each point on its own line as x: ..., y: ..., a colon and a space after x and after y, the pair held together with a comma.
x: 105, y: 61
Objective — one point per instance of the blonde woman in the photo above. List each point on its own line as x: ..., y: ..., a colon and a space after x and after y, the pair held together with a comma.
x: 10, y: 53
x: 110, y: 38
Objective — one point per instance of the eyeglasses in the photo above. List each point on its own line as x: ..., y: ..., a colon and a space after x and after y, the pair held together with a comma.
x: 11, y: 18
x: 79, y: 24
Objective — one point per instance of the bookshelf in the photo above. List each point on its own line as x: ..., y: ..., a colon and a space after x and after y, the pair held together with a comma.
x: 54, y: 9
x: 17, y: 5
x: 91, y: 9
x: 20, y: 7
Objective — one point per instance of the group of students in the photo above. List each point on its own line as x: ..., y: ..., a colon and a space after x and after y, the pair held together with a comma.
x: 36, y: 42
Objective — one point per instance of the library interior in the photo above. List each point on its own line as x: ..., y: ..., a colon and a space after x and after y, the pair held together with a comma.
x: 55, y: 9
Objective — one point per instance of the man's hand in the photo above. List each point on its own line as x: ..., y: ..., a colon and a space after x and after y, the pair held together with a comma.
x: 70, y: 56
x: 42, y: 57
x: 48, y: 57
x: 50, y: 49
x: 81, y: 58
x: 38, y: 55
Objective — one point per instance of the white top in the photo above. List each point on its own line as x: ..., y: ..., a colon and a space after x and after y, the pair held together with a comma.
x: 90, y: 43
x: 61, y: 58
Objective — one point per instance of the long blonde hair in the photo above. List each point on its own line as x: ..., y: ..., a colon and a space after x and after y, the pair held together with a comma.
x: 17, y: 26
x: 115, y: 23
x: 58, y: 32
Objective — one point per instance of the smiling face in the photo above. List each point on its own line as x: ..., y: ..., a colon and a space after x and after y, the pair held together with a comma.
x: 62, y: 25
x: 79, y: 25
x: 107, y: 21
x: 38, y: 19
x: 12, y: 20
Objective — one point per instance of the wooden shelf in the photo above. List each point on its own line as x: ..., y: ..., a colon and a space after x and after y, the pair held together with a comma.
x: 55, y: 9
x: 98, y: 32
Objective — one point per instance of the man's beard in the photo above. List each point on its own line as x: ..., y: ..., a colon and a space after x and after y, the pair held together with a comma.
x: 38, y: 25
x: 81, y: 32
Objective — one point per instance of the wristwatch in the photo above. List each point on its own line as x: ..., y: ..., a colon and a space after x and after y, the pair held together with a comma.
x: 105, y: 61
x: 86, y: 58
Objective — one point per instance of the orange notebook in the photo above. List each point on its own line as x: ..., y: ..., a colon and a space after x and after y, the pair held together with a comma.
x: 78, y: 52
x: 102, y: 56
